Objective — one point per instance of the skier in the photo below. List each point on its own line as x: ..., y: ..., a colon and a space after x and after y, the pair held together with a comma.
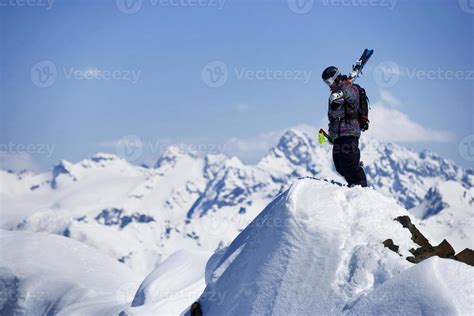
x: 345, y: 126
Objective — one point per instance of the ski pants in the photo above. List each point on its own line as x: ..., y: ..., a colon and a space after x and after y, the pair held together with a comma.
x: 346, y: 156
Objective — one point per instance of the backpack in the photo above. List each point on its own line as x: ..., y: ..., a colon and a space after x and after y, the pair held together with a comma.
x: 363, y: 113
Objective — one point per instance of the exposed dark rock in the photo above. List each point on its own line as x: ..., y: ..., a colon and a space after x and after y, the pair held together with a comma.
x: 416, y: 235
x: 196, y: 309
x: 390, y: 245
x: 426, y: 250
x: 443, y: 250
x: 67, y: 232
x: 115, y: 216
x: 466, y: 256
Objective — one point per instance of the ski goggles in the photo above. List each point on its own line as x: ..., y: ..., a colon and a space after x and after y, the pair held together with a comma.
x: 330, y: 81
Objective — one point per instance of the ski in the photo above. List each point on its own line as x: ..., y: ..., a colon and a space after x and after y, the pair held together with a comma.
x: 359, y: 65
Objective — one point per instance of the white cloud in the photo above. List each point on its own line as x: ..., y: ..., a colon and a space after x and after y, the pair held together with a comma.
x: 390, y: 124
x: 387, y: 98
x: 17, y: 161
x: 253, y: 148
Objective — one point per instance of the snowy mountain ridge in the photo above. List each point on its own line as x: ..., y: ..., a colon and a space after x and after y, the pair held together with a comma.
x: 307, y: 254
x: 191, y: 202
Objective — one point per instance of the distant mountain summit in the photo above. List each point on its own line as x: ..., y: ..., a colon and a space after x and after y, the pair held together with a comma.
x: 188, y: 201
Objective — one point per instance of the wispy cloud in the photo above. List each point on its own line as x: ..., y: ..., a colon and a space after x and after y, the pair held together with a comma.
x: 18, y: 161
x: 387, y: 98
x: 388, y: 123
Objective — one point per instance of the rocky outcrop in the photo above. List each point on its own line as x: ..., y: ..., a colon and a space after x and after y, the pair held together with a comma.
x: 426, y: 250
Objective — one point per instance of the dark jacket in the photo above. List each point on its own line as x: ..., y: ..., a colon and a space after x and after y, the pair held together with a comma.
x: 342, y: 112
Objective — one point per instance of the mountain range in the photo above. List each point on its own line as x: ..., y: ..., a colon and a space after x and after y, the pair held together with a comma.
x: 141, y: 215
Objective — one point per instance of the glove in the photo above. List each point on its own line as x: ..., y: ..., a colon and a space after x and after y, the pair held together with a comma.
x: 364, y: 125
x: 337, y: 97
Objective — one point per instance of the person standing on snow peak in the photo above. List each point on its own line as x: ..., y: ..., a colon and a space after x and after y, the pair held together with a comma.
x: 344, y: 126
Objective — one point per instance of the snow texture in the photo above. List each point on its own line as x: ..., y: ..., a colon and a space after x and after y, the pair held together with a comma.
x: 317, y: 249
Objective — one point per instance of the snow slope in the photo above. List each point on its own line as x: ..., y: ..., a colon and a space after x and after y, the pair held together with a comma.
x: 433, y: 287
x: 317, y: 247
x: 47, y: 274
x: 173, y: 286
x: 44, y: 274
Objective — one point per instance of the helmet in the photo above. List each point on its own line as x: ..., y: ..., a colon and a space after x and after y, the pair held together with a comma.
x: 330, y: 75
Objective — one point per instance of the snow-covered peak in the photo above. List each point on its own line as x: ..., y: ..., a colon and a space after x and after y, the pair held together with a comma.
x: 234, y: 162
x: 101, y: 164
x: 193, y: 191
x: 174, y: 153
x: 435, y: 199
x: 213, y: 163
x: 447, y: 210
x: 105, y: 157
x: 294, y: 145
x: 105, y: 160
x: 63, y: 168
x: 317, y: 247
x: 295, y: 154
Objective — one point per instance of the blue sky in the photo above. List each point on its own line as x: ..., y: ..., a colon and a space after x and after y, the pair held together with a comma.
x: 147, y: 71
